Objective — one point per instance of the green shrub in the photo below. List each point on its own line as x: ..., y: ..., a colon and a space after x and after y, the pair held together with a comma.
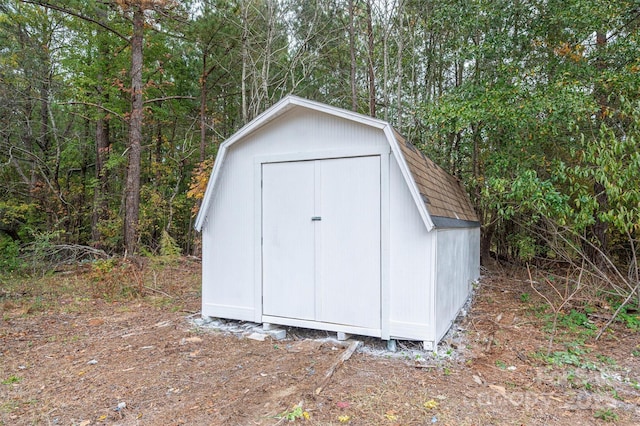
x: 9, y: 254
x: 168, y: 246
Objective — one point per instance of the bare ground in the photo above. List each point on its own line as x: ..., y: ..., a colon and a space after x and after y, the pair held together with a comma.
x: 69, y: 357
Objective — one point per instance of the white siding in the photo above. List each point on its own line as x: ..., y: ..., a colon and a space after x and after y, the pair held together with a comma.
x: 412, y: 265
x: 227, y: 285
x: 300, y: 131
x: 229, y: 272
x: 458, y: 263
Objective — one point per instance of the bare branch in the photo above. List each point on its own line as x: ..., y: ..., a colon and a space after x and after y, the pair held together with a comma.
x: 166, y: 98
x: 615, y: 314
x: 77, y: 15
x: 110, y: 111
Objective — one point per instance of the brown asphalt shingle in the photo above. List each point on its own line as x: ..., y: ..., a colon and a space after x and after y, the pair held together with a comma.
x: 442, y: 193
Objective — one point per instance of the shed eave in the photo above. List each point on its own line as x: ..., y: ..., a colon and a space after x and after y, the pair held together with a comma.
x: 442, y: 222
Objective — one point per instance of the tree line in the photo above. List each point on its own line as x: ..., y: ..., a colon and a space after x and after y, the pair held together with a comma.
x: 112, y: 111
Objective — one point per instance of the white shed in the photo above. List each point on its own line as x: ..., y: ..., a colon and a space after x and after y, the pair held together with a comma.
x: 322, y: 218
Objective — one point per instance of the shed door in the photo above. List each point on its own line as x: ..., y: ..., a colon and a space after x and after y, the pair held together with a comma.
x: 321, y: 240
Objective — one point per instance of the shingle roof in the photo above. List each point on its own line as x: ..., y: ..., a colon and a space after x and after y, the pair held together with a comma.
x: 443, y: 194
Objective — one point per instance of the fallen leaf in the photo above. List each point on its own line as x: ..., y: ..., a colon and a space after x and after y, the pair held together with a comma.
x: 344, y: 419
x: 342, y: 404
x: 85, y: 423
x: 431, y: 404
x: 391, y: 415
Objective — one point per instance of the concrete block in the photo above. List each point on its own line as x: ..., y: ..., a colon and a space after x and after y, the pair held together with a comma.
x: 343, y: 336
x: 391, y: 345
x: 277, y: 334
x: 429, y: 346
x: 257, y: 336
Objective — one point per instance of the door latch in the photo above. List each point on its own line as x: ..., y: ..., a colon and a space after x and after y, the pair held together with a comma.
x: 316, y: 218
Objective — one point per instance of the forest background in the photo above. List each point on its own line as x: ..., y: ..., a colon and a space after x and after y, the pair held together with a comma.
x: 111, y: 113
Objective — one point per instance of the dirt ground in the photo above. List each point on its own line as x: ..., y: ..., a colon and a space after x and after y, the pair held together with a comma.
x: 70, y: 359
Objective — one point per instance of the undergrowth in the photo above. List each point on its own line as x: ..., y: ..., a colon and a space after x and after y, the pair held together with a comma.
x: 159, y: 280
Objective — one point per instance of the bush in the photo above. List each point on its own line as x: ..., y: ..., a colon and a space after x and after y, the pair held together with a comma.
x: 9, y: 254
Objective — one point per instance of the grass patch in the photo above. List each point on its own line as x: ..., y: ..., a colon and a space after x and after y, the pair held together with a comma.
x: 607, y: 415
x: 11, y: 380
x: 606, y: 360
x: 571, y: 324
x: 574, y: 356
x: 9, y: 407
x: 630, y: 319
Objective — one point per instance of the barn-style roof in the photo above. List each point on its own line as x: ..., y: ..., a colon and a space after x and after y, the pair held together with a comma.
x: 439, y: 197
x: 443, y: 194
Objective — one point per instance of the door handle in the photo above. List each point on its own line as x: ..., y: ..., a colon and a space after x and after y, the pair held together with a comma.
x: 314, y: 218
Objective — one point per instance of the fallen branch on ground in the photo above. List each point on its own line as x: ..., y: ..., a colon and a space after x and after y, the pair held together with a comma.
x: 344, y: 357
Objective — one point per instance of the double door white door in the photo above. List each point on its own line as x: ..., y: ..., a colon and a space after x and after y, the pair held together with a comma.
x: 321, y: 240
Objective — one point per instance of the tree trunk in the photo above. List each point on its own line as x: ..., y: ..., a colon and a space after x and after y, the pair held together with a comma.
x: 352, y: 50
x: 385, y: 73
x: 102, y: 177
x: 45, y: 131
x: 132, y: 189
x: 486, y: 238
x: 372, y: 77
x: 266, y: 64
x: 399, y: 69
x: 103, y: 148
x: 245, y: 60
x: 203, y: 107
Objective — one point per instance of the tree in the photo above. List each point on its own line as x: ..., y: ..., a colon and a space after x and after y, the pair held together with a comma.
x: 352, y: 52
x: 132, y: 186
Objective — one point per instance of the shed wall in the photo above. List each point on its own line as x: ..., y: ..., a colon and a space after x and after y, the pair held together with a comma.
x: 458, y: 265
x: 411, y: 265
x: 230, y: 281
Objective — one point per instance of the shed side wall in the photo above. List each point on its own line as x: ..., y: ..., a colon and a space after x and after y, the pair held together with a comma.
x: 411, y: 265
x: 458, y: 262
x: 226, y: 247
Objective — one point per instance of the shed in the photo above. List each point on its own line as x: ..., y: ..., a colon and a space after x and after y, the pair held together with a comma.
x: 323, y: 218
